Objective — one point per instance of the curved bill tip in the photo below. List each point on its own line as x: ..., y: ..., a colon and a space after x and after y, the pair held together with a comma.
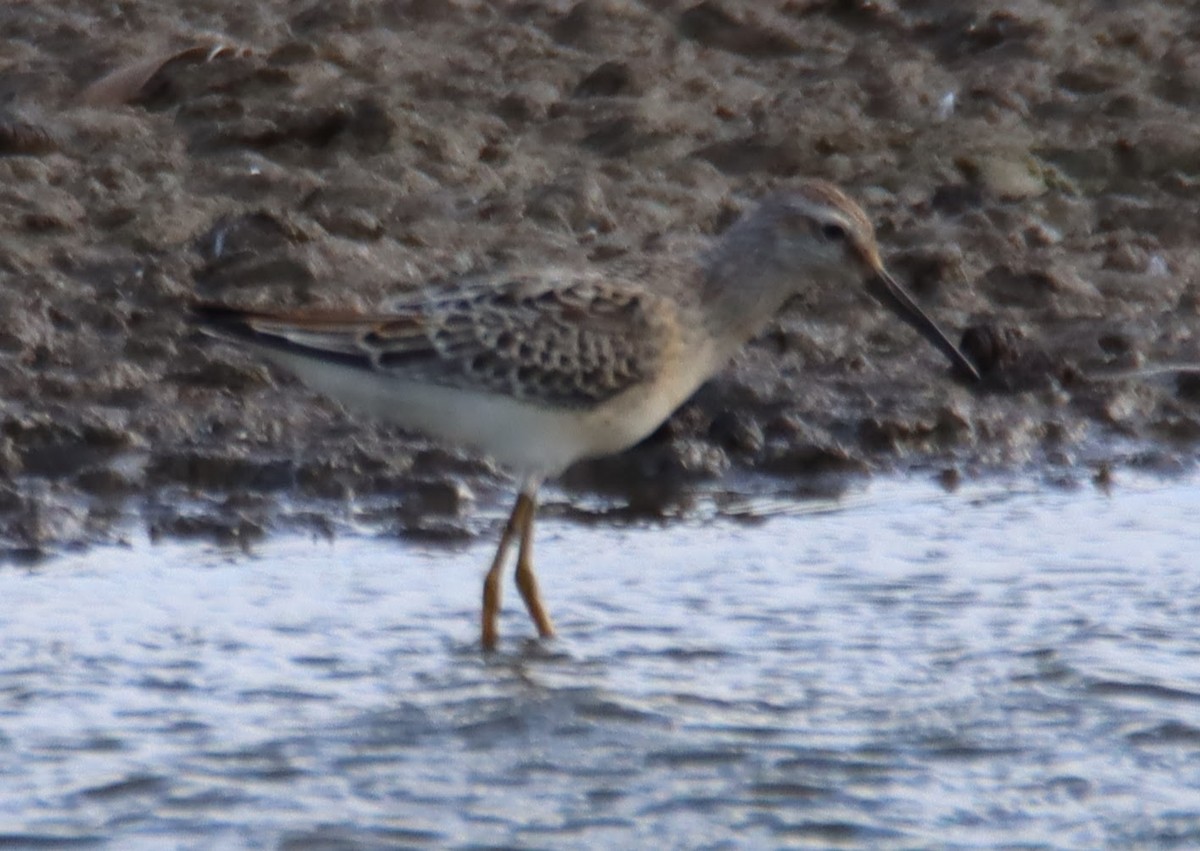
x: 892, y: 296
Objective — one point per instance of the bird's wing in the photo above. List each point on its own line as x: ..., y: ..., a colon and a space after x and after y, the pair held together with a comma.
x: 573, y: 344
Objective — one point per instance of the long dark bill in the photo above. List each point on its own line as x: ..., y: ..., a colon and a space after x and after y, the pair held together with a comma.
x: 892, y: 296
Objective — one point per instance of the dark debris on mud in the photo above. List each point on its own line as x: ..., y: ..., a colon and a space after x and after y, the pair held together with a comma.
x: 1034, y: 171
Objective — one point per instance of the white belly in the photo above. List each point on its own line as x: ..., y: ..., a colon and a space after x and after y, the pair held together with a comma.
x: 524, y: 436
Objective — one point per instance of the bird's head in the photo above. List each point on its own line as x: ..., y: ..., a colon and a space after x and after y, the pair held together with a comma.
x: 816, y: 236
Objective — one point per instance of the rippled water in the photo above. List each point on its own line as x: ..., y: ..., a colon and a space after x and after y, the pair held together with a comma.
x: 991, y: 668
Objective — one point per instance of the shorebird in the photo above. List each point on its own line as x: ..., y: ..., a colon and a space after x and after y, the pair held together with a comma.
x: 543, y: 369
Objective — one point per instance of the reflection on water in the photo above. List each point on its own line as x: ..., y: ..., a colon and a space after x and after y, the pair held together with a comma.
x: 983, y: 669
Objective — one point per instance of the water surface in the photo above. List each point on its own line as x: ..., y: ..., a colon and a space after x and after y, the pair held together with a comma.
x: 1003, y: 666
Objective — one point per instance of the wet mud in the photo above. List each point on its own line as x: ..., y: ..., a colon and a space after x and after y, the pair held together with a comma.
x: 1033, y: 170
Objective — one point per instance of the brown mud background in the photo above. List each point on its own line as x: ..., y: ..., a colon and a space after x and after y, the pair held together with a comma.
x: 1033, y: 169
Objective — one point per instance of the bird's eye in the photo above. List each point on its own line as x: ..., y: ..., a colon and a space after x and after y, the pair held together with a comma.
x: 833, y: 232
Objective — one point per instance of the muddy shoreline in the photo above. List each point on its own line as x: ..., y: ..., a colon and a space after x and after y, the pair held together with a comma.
x: 1034, y: 174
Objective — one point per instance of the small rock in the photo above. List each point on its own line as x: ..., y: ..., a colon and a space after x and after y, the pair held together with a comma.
x: 1010, y: 178
x: 991, y: 347
x: 439, y: 496
x: 949, y: 479
x: 608, y: 80
x: 956, y: 198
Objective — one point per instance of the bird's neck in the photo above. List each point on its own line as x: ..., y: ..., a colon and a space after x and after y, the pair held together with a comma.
x: 741, y: 291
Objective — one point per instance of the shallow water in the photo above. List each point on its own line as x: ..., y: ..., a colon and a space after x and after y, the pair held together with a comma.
x: 995, y: 667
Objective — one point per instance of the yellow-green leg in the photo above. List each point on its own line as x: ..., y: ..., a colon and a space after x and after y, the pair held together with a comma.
x: 526, y: 581
x: 491, y: 582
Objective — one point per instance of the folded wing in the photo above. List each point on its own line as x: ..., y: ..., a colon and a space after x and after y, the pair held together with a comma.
x: 570, y: 345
